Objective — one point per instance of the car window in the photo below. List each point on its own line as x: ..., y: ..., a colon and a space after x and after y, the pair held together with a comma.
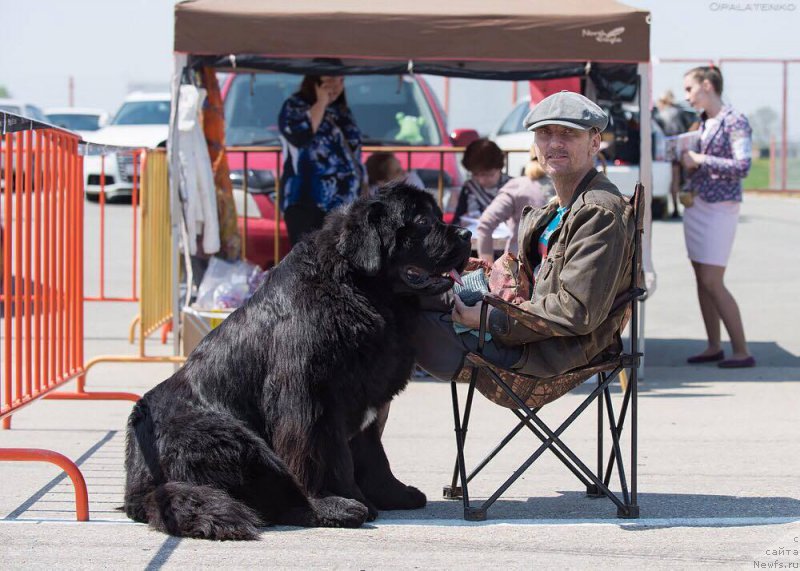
x: 11, y: 109
x: 253, y: 102
x: 377, y: 100
x: 513, y: 123
x: 142, y: 113
x: 35, y: 113
x: 75, y: 122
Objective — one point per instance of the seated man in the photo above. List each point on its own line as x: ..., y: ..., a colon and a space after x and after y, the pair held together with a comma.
x: 578, y: 249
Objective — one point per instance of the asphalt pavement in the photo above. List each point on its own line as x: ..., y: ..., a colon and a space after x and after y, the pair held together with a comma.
x: 718, y: 465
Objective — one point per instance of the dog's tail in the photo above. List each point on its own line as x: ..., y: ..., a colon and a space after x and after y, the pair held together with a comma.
x: 202, y: 512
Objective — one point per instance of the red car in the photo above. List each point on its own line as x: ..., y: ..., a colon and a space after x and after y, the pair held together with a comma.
x: 252, y: 104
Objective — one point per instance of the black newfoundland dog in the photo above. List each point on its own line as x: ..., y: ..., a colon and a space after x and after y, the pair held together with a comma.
x: 272, y: 418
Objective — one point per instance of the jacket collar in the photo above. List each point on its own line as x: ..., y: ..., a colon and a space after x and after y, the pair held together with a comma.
x: 705, y: 142
x: 531, y: 227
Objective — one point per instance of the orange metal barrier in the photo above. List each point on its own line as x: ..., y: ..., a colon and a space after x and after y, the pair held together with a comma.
x: 98, y: 188
x: 41, y: 292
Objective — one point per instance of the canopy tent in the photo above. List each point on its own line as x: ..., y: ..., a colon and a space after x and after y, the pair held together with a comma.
x: 461, y: 34
x: 510, y: 39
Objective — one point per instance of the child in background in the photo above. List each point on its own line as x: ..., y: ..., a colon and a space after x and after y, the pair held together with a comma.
x: 484, y: 160
x: 384, y: 168
x: 534, y: 188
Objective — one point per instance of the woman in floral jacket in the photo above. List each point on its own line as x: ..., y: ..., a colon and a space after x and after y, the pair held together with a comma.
x: 710, y: 222
x: 322, y: 146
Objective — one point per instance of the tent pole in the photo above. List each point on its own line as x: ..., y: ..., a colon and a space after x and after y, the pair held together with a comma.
x: 180, y: 62
x: 646, y: 178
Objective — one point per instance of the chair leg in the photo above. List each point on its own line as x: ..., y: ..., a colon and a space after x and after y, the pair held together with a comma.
x: 454, y: 491
x: 554, y: 449
x: 615, y: 446
x: 482, y: 464
x: 553, y: 439
x: 620, y: 424
x: 592, y: 490
x: 471, y: 514
x: 633, y: 508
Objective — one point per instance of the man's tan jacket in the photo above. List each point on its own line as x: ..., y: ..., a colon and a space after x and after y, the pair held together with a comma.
x: 588, y: 265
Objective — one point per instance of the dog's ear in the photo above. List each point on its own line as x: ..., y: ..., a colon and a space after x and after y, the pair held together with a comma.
x: 360, y: 242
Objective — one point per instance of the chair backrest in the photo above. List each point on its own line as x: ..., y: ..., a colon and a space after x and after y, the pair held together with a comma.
x: 638, y: 202
x: 637, y: 273
x: 636, y: 290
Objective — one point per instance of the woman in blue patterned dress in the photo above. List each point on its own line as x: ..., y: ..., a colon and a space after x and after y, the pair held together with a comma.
x: 710, y: 222
x: 322, y: 149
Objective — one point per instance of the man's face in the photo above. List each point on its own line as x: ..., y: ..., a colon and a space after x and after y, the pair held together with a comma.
x: 564, y: 151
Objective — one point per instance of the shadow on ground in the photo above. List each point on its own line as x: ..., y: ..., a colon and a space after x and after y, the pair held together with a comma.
x: 673, y: 353
x: 569, y: 506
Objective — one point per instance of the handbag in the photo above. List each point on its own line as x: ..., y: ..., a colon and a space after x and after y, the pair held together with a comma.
x: 506, y: 277
x: 686, y: 197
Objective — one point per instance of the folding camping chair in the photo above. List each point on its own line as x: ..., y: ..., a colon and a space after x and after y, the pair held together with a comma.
x: 525, y: 395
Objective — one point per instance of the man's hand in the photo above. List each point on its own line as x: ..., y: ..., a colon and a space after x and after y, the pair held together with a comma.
x: 466, y: 315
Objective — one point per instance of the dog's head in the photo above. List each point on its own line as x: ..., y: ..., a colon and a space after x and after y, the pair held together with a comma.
x: 400, y: 235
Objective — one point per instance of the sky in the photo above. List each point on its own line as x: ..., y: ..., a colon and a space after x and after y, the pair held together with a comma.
x: 110, y: 47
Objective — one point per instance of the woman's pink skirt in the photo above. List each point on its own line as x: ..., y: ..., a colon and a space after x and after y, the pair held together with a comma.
x: 709, y: 229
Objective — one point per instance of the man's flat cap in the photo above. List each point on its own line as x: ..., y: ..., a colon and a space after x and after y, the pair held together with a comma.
x: 568, y: 109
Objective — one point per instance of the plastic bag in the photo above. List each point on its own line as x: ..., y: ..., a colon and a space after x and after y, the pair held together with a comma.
x: 228, y: 285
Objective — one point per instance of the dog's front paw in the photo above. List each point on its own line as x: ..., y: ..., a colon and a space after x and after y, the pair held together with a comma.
x: 400, y: 497
x: 413, y: 499
x: 373, y: 510
x: 336, y: 511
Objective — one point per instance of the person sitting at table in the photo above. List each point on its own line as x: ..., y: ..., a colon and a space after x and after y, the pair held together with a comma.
x: 534, y: 188
x: 484, y: 160
x: 384, y: 168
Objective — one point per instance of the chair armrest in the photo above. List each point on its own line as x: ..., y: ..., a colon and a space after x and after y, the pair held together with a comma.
x: 527, y: 320
x: 625, y: 298
x: 509, y: 309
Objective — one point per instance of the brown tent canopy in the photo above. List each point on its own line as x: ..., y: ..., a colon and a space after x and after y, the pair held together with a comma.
x: 458, y: 34
x: 509, y: 39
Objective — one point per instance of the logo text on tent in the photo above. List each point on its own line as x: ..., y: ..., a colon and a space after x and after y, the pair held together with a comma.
x: 611, y: 37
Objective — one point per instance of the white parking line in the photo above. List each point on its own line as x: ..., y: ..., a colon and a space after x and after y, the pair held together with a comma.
x: 643, y: 522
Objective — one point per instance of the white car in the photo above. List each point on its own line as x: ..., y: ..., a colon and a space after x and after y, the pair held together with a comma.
x: 21, y: 108
x: 24, y: 110
x: 142, y: 121
x: 511, y: 136
x: 81, y: 120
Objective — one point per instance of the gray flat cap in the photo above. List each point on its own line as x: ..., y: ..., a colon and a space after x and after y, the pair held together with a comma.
x: 568, y: 109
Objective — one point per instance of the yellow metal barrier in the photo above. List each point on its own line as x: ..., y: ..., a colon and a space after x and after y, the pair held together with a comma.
x: 155, y: 302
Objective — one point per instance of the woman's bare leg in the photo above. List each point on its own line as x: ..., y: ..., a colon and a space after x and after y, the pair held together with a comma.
x: 710, y: 278
x: 711, y: 316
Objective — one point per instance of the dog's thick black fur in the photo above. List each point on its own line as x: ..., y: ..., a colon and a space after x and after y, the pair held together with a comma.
x: 271, y: 419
